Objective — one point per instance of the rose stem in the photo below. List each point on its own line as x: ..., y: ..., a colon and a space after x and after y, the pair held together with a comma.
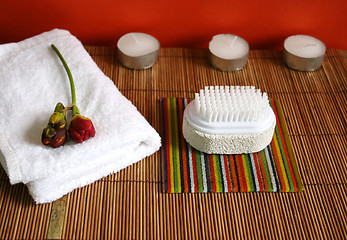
x: 72, y: 85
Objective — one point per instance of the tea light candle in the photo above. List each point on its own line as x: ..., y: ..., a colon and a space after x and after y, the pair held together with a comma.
x: 138, y: 50
x: 228, y: 52
x: 303, y: 53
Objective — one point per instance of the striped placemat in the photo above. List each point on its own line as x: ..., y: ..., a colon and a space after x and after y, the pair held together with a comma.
x: 187, y: 170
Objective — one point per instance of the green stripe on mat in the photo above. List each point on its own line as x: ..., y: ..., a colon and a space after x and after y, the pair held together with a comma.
x: 288, y: 143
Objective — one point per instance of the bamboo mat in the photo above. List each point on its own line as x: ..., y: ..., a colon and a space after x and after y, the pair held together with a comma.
x: 131, y: 204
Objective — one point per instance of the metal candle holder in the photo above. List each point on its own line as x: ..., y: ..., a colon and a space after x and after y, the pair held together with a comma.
x: 233, y: 64
x: 144, y: 61
x: 303, y: 53
x: 141, y: 62
x: 300, y: 63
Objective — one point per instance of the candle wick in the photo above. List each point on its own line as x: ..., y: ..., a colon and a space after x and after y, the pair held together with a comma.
x: 135, y: 38
x: 310, y: 44
x: 233, y: 41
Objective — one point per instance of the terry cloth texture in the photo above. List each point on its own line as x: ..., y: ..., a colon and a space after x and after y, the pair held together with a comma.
x: 33, y: 80
x: 187, y: 170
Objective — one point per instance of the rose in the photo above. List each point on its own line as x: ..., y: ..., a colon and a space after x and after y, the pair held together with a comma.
x: 81, y: 128
x: 56, y: 139
x: 54, y: 134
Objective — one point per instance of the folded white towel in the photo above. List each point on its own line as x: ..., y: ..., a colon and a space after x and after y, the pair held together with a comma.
x: 32, y: 81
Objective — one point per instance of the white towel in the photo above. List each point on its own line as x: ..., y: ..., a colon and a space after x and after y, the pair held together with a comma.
x: 32, y: 81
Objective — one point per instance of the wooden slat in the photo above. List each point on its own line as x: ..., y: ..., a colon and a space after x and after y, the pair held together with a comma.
x: 131, y: 204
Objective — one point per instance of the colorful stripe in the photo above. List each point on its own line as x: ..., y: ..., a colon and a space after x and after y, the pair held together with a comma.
x: 226, y: 175
x: 284, y: 151
x: 166, y: 143
x: 254, y: 171
x: 187, y: 170
x: 233, y: 175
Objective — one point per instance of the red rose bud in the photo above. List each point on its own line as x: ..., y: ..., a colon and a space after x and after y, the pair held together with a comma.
x: 57, y: 120
x: 49, y: 131
x: 81, y: 128
x: 56, y: 140
x: 54, y: 134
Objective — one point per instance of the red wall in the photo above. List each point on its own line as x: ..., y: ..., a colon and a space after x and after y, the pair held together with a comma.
x: 178, y: 23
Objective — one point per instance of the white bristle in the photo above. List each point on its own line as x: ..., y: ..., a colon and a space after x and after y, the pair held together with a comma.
x: 231, y: 104
x: 197, y: 105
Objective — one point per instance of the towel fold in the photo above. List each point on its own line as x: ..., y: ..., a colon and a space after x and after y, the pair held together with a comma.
x: 32, y: 81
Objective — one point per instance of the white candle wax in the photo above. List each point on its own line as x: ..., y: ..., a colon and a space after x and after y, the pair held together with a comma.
x: 228, y: 46
x: 137, y: 44
x: 303, y: 53
x: 138, y: 50
x: 228, y: 52
x: 304, y: 46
